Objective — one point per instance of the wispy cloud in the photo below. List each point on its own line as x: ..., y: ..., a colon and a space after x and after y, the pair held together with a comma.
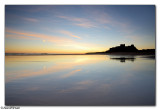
x: 73, y: 18
x: 108, y: 22
x: 104, y: 20
x: 31, y: 19
x: 18, y: 37
x: 82, y: 22
x: 69, y: 34
x: 30, y: 35
x: 22, y: 18
x: 86, y: 82
x: 86, y: 24
x: 60, y: 42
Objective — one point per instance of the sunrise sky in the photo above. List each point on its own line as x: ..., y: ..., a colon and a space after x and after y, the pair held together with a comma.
x: 77, y: 29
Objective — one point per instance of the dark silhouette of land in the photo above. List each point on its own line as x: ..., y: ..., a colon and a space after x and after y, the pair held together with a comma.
x: 123, y: 48
x: 126, y: 50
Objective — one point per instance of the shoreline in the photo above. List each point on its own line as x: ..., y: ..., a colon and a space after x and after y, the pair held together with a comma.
x: 112, y: 53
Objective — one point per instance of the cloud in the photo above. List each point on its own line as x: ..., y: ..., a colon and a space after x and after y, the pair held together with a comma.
x: 108, y: 22
x: 29, y: 35
x: 69, y: 34
x: 61, y: 31
x: 103, y: 17
x: 18, y: 37
x: 31, y: 19
x: 86, y: 82
x: 86, y: 24
x: 82, y: 22
x: 104, y: 20
x: 65, y: 44
x: 73, y: 18
x: 24, y: 19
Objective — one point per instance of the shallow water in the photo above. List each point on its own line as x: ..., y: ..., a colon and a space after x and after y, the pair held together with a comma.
x: 79, y: 80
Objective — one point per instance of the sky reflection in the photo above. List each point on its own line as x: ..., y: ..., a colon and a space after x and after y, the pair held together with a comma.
x: 79, y: 80
x: 30, y: 66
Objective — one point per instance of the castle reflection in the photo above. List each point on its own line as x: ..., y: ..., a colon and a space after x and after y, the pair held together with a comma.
x: 124, y: 59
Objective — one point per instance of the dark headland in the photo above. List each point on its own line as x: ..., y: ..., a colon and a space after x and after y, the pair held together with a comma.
x: 126, y: 50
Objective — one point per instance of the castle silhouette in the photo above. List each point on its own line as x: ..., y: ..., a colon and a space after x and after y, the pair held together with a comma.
x: 123, y: 48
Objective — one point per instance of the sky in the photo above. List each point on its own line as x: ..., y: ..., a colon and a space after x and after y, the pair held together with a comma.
x: 77, y: 28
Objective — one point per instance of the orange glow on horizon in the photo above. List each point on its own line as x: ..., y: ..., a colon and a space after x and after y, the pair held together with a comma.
x: 60, y: 45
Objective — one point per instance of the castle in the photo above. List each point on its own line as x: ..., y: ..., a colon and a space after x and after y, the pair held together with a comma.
x: 123, y: 48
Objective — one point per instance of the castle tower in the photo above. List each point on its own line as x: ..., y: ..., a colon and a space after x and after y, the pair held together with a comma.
x: 122, y: 45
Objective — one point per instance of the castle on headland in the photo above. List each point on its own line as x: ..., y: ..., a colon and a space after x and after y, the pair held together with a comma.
x: 123, y: 48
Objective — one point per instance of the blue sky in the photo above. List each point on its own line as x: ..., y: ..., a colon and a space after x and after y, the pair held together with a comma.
x: 78, y: 28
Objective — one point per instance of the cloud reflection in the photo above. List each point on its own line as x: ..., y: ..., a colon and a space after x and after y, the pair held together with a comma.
x: 71, y: 73
x: 52, y: 65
